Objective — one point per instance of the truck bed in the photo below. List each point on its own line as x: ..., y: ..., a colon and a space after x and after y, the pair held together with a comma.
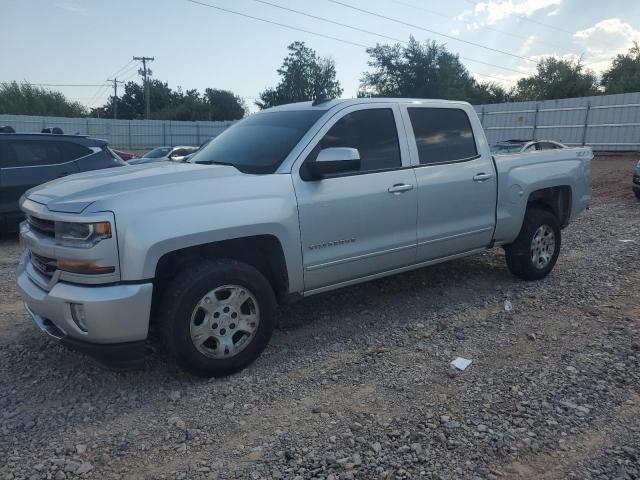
x: 520, y: 174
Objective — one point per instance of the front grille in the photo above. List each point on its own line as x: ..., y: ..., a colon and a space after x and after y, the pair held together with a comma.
x: 43, y: 227
x: 46, y: 266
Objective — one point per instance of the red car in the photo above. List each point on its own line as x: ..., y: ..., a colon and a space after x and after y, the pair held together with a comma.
x: 125, y: 155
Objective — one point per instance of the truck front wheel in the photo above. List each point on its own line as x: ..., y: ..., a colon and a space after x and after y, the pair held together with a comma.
x: 535, y: 252
x: 217, y: 317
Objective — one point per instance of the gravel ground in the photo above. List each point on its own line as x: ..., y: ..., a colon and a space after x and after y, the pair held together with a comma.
x: 357, y: 383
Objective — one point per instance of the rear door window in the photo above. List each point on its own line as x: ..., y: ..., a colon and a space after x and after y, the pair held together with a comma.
x: 442, y: 135
x: 26, y: 153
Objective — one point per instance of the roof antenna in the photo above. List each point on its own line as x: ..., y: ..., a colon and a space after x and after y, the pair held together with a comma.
x: 320, y: 99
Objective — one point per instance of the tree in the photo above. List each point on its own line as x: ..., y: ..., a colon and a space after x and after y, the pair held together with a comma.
x: 168, y: 104
x: 491, y: 92
x: 224, y: 105
x: 27, y: 99
x: 423, y: 70
x: 305, y: 76
x: 624, y: 74
x: 557, y: 78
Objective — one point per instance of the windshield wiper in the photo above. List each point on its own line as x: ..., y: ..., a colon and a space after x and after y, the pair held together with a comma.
x: 213, y: 162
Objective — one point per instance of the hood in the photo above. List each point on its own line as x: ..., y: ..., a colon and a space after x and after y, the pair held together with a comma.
x: 73, y: 194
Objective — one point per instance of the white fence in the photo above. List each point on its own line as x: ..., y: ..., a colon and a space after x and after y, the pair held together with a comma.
x: 608, y: 122
x: 126, y: 134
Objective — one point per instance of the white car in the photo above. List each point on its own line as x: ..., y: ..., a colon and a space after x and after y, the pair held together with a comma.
x: 523, y: 146
x: 161, y: 154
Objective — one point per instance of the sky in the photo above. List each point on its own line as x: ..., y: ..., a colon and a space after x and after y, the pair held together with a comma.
x: 86, y: 42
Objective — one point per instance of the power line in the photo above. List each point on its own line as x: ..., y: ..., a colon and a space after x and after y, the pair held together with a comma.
x: 324, y: 19
x: 132, y: 70
x: 486, y: 27
x: 433, y: 32
x: 99, y: 93
x: 133, y: 74
x: 336, y: 38
x: 278, y: 24
x: 103, y: 89
x: 62, y: 84
x: 119, y: 72
x: 358, y: 29
x: 538, y: 22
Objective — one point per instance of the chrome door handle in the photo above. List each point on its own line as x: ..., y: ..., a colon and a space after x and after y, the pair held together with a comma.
x: 399, y: 188
x: 481, y: 177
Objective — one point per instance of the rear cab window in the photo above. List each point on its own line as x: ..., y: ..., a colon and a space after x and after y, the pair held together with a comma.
x: 443, y: 135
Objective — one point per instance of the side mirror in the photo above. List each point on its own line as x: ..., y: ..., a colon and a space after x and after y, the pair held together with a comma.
x: 335, y: 160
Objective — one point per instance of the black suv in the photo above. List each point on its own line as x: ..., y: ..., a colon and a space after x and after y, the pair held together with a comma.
x: 30, y: 159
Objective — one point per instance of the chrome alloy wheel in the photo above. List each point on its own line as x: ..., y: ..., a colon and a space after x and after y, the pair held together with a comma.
x: 224, y: 321
x: 543, y: 246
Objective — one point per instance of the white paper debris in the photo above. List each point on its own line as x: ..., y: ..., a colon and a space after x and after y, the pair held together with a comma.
x: 508, y: 306
x: 625, y: 240
x: 461, y: 363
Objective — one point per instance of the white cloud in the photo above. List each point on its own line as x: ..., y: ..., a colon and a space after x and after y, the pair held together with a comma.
x: 455, y: 32
x: 493, y: 11
x: 604, y: 40
x: 72, y: 8
x: 527, y: 44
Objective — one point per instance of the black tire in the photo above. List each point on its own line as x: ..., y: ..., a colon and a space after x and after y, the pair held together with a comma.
x: 183, y: 294
x: 518, y: 253
x: 637, y: 192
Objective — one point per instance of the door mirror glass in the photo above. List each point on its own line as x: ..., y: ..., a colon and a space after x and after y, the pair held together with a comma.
x: 335, y: 160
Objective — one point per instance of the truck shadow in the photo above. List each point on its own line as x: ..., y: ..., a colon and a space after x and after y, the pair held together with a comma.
x: 447, y: 285
x: 52, y: 378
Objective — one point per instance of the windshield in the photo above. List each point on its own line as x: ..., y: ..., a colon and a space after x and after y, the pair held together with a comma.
x: 259, y: 143
x: 157, y: 152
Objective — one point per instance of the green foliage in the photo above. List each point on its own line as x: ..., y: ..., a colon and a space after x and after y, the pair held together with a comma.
x: 491, y: 92
x: 168, y: 104
x: 304, y: 76
x: 27, y: 99
x: 423, y: 70
x: 557, y: 78
x: 624, y: 74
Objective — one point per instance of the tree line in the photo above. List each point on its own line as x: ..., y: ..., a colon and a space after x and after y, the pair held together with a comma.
x: 417, y: 69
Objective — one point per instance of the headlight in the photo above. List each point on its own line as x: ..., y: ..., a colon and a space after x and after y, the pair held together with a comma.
x: 81, y: 235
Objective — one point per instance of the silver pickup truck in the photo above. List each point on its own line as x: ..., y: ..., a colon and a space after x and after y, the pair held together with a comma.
x: 290, y: 202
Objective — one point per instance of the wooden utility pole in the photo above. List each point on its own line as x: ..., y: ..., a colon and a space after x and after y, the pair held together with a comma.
x: 146, y: 73
x: 115, y: 96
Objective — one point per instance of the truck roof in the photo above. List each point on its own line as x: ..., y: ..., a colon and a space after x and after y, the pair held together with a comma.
x: 358, y: 101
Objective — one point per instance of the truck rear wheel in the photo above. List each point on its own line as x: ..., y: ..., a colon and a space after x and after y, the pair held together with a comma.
x: 217, y: 317
x: 534, y: 253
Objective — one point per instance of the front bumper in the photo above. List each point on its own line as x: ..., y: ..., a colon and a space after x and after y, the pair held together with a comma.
x: 111, y: 314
